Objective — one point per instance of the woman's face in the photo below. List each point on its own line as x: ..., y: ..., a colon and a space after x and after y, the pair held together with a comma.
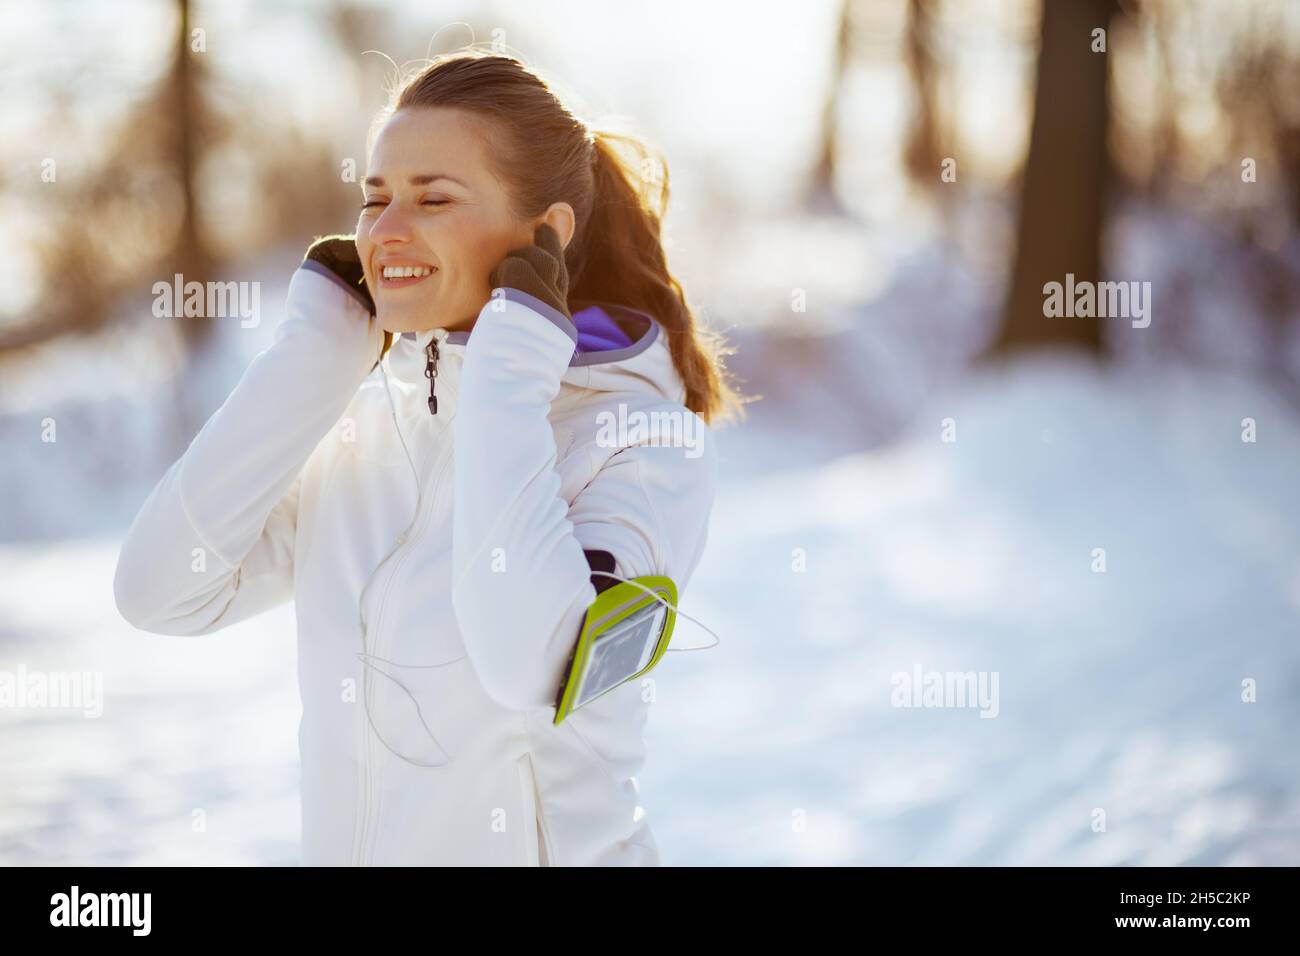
x: 432, y: 205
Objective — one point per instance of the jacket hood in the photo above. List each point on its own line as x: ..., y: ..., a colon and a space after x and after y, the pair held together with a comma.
x: 618, y: 349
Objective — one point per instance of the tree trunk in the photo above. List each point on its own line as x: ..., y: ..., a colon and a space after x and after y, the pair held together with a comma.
x: 190, y: 255
x: 821, y: 193
x: 1064, y: 186
x: 921, y: 153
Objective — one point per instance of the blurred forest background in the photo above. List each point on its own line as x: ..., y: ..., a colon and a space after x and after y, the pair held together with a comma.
x: 899, y: 177
x: 868, y: 197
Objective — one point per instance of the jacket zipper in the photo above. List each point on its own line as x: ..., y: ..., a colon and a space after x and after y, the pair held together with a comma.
x: 380, y: 649
x: 431, y: 372
x: 417, y: 526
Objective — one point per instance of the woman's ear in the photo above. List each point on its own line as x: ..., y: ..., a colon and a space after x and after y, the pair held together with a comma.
x: 560, y: 218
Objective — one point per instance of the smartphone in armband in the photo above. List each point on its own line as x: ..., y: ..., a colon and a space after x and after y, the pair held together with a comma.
x: 624, y: 634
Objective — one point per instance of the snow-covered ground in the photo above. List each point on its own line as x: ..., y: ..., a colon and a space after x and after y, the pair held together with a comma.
x: 201, y: 724
x: 1118, y: 692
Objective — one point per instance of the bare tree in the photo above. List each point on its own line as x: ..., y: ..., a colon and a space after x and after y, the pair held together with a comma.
x: 821, y: 188
x: 1064, y: 185
x: 922, y: 153
x: 190, y: 256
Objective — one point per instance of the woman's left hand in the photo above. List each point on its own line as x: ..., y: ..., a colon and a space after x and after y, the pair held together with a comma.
x: 538, y: 270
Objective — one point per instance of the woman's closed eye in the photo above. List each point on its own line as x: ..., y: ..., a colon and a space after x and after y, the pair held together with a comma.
x: 372, y: 203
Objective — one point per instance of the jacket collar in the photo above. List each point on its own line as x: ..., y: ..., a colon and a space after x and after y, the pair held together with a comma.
x: 409, y: 358
x: 618, y: 349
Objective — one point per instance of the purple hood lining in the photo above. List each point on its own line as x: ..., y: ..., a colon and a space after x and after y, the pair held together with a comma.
x: 598, y: 332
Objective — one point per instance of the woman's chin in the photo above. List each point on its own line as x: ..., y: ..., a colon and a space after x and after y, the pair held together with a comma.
x: 397, y: 323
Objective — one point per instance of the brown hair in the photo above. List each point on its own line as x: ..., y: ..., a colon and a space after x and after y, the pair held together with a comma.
x: 617, y: 186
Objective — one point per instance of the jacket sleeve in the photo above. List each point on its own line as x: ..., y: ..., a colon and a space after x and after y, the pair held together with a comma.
x: 213, y: 542
x: 521, y: 582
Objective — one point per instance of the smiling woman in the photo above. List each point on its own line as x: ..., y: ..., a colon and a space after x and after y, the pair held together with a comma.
x: 428, y: 241
x: 476, y: 151
x: 444, y: 549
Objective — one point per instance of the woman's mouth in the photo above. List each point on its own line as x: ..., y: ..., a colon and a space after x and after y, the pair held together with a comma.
x: 397, y: 277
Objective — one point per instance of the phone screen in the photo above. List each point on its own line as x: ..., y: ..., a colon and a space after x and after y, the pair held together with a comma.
x: 622, y: 651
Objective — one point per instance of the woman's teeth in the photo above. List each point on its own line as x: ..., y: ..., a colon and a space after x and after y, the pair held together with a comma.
x: 406, y: 272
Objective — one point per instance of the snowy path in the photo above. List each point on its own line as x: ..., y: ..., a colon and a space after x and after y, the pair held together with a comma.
x: 188, y: 724
x: 1119, y: 691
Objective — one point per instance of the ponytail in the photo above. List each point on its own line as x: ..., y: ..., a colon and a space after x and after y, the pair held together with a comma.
x: 622, y: 260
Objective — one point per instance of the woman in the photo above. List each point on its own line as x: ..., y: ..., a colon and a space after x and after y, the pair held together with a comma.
x: 422, y: 461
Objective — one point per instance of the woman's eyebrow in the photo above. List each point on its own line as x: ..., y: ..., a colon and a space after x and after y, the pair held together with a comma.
x: 423, y: 179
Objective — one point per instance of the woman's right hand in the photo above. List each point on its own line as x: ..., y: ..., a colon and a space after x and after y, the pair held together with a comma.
x: 339, y: 255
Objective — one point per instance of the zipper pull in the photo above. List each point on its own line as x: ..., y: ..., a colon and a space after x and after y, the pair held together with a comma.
x: 431, y: 373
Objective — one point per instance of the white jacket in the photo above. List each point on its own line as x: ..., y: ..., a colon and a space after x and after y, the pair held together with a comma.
x: 449, y: 548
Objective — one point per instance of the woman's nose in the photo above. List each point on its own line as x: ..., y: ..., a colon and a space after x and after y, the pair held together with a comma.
x: 391, y: 226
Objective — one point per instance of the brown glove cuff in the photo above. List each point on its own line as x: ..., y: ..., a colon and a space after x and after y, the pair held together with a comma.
x: 338, y: 254
x: 538, y: 270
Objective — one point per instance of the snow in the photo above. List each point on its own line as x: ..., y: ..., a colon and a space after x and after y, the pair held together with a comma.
x: 207, y: 724
x: 1119, y: 691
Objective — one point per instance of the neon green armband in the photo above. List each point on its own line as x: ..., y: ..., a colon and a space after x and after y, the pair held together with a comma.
x: 624, y: 634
